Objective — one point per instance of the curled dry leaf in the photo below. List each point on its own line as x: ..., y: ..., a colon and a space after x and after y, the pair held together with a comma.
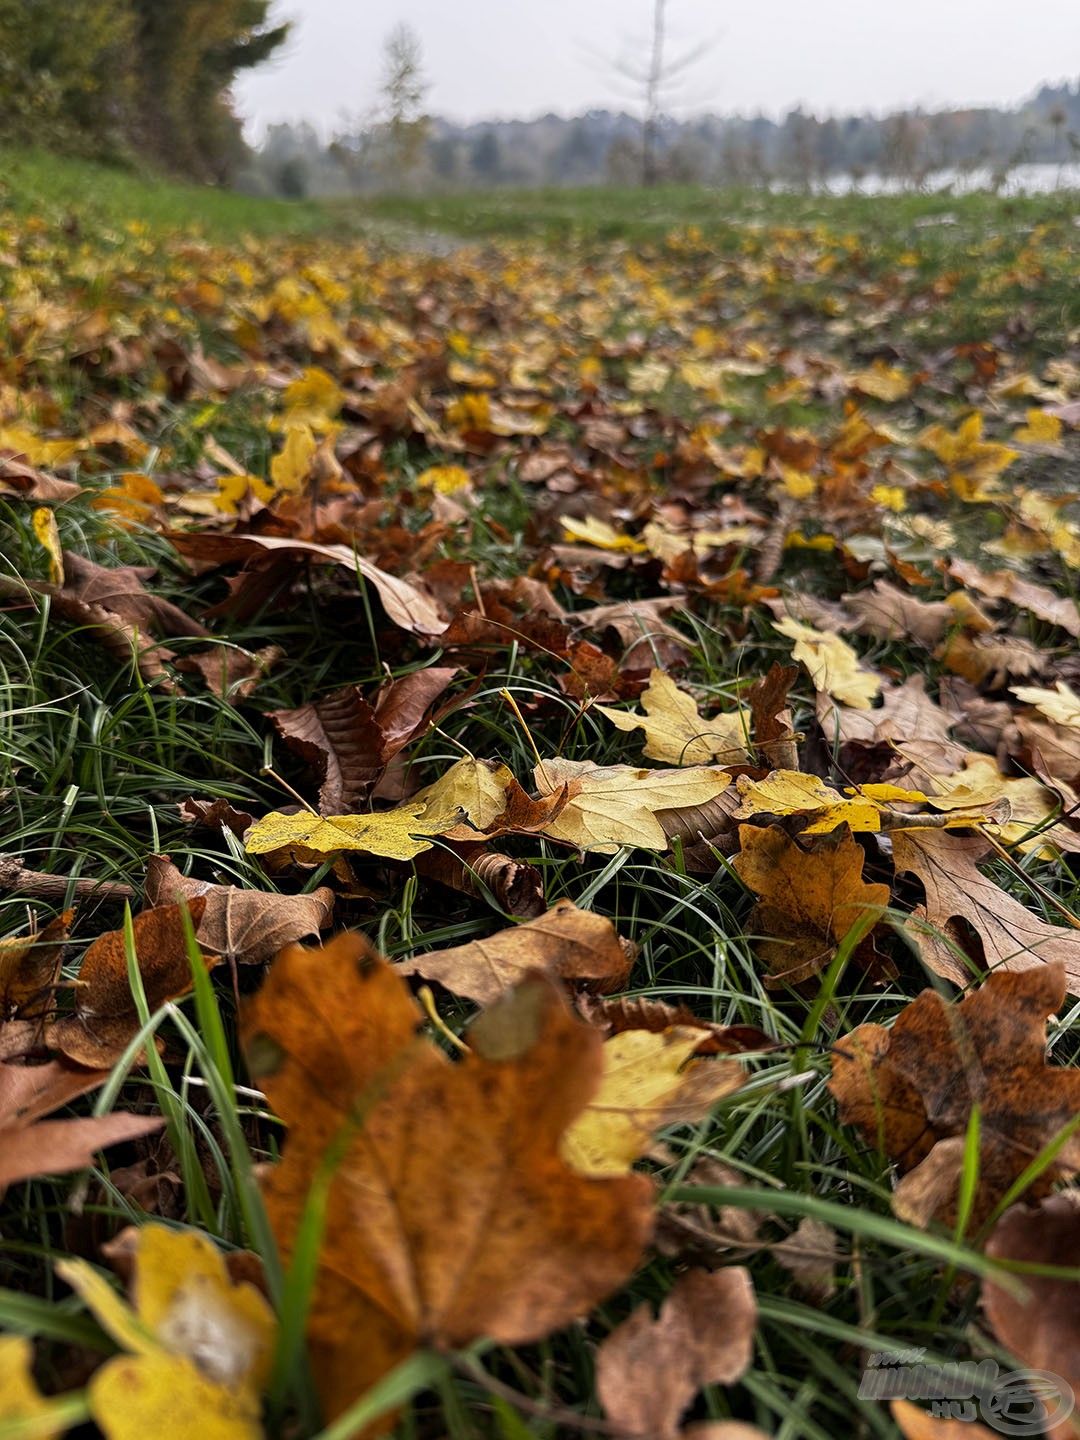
x: 31, y: 1145
x: 634, y: 1012
x: 1040, y: 1326
x: 809, y: 1254
x: 105, y: 1018
x: 231, y: 672
x: 30, y: 963
x: 1009, y: 935
x: 676, y: 733
x: 516, y: 886
x: 451, y: 1214
x: 809, y: 899
x: 568, y: 944
x: 246, y: 926
x: 911, y: 1087
x: 770, y: 719
x: 649, y: 1369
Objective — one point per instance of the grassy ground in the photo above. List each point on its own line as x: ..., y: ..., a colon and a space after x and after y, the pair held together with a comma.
x: 94, y: 761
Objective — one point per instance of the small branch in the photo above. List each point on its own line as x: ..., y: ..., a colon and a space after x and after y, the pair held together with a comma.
x: 39, y: 886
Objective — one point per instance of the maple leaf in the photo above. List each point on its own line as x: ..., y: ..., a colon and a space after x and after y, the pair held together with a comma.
x: 1010, y: 936
x: 832, y: 663
x: 649, y: 1369
x: 1061, y: 704
x: 475, y: 788
x: 396, y: 834
x: 248, y: 926
x: 106, y: 1016
x: 450, y: 1213
x: 675, y: 730
x: 912, y: 1088
x: 568, y: 944
x: 809, y: 900
x: 200, y: 1347
x: 650, y: 1081
x: 612, y: 805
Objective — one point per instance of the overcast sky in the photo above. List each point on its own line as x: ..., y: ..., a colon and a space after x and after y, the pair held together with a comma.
x: 487, y: 58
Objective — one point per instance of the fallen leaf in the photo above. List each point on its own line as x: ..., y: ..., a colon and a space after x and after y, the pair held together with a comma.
x: 476, y: 788
x: 20, y: 1398
x: 1010, y: 936
x: 246, y: 926
x: 675, y: 730
x: 396, y: 834
x: 1040, y: 600
x: 340, y: 738
x: 201, y: 1347
x: 568, y: 944
x: 1041, y: 1327
x: 1061, y: 705
x: 649, y: 1370
x: 450, y: 1213
x: 650, y: 1081
x: 916, y: 1424
x: 909, y: 1088
x: 613, y: 805
x: 832, y: 664
x: 106, y: 1018
x: 809, y: 1254
x: 809, y: 900
x: 31, y: 1146
x: 789, y: 792
x: 29, y: 964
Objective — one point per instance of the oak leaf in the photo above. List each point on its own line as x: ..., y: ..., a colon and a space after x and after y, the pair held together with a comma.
x: 676, y: 733
x: 450, y: 1213
x: 1010, y: 936
x: 808, y: 900
x: 912, y: 1087
x: 649, y: 1369
x: 571, y: 945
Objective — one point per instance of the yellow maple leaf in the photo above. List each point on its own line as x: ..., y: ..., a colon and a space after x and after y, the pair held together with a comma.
x: 397, y: 834
x: 1061, y: 705
x: 312, y: 399
x: 676, y: 732
x: 591, y: 531
x: 1041, y: 429
x: 789, y: 792
x: 475, y: 788
x: 20, y: 1398
x: 832, y: 663
x: 199, y: 1347
x: 48, y: 537
x: 291, y: 467
x: 649, y: 1081
x: 444, y: 479
x: 613, y: 805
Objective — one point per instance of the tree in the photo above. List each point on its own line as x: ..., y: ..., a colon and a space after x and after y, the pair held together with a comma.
x: 404, y: 86
x: 655, y: 81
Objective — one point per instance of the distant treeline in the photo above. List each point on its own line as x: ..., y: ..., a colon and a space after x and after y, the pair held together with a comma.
x: 131, y: 78
x: 605, y: 147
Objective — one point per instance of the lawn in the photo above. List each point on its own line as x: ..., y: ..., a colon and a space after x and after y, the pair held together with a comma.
x: 491, y: 578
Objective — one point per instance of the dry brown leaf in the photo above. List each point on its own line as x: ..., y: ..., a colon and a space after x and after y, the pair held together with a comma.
x: 890, y: 614
x: 913, y: 1086
x: 1010, y: 936
x: 568, y: 944
x: 649, y: 1369
x: 105, y: 1018
x: 246, y: 926
x: 29, y: 964
x: 917, y: 1424
x: 231, y: 672
x: 31, y: 1145
x: 809, y: 1254
x: 809, y: 899
x: 341, y: 740
x: 1041, y: 601
x: 450, y: 1214
x: 1041, y: 1326
x: 516, y: 886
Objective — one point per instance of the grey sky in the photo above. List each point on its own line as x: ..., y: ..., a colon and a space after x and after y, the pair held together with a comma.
x: 524, y: 57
